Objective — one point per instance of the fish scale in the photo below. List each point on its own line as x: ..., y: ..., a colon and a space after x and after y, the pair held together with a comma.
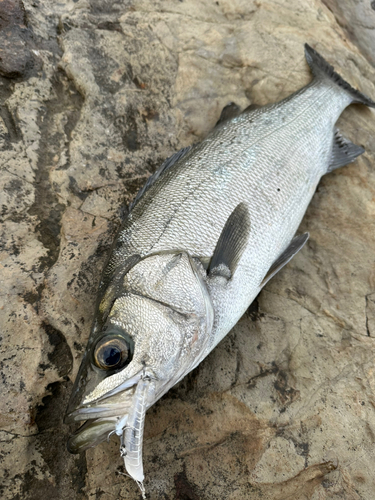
x: 204, y: 235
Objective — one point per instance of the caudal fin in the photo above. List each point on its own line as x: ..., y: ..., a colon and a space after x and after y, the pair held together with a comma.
x: 321, y: 69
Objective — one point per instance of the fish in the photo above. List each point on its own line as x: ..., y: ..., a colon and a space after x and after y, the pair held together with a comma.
x: 207, y: 231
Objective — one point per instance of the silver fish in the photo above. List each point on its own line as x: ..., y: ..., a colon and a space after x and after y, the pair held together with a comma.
x: 203, y: 236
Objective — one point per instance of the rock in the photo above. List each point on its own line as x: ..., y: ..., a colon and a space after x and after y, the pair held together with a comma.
x: 284, y: 406
x: 16, y: 56
x: 357, y: 18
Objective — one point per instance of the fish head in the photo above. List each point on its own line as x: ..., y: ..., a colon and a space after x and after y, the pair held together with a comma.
x: 156, y: 328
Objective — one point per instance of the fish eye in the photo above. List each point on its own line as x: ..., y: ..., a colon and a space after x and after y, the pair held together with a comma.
x: 111, y: 353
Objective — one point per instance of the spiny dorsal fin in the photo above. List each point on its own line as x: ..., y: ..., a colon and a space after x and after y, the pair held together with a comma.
x: 321, y: 69
x: 343, y: 152
x: 251, y: 107
x: 229, y: 111
x: 294, y: 247
x: 232, y: 242
x: 169, y: 162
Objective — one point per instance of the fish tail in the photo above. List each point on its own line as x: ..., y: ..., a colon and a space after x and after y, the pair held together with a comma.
x: 321, y: 69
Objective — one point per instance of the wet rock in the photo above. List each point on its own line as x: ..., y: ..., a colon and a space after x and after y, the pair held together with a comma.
x: 15, y: 54
x: 283, y: 407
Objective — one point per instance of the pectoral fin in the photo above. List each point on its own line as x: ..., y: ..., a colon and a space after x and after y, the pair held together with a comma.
x: 232, y: 243
x: 294, y: 247
x: 343, y: 152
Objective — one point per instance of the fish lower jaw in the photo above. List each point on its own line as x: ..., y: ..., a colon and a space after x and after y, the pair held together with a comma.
x: 91, y: 433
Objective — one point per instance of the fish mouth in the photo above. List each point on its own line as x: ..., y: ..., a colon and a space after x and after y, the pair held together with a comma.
x: 101, y: 415
x: 111, y: 404
x: 91, y: 433
x: 98, y: 423
x: 105, y: 414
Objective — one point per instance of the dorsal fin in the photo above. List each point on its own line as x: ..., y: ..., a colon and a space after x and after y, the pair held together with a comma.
x: 294, y: 247
x: 232, y: 242
x: 343, y: 151
x: 169, y: 162
x: 229, y: 111
x: 251, y: 107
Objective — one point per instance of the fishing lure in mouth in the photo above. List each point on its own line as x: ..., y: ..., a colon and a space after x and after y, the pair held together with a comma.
x: 207, y: 231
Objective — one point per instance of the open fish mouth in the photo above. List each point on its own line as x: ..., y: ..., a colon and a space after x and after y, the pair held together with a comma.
x: 91, y: 433
x: 103, y: 416
x: 110, y: 404
x: 102, y: 423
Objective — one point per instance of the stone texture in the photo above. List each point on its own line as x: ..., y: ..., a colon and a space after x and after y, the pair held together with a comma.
x: 284, y: 407
x: 357, y: 18
x: 16, y: 55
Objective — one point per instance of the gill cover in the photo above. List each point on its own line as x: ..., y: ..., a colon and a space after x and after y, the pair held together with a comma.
x: 171, y: 314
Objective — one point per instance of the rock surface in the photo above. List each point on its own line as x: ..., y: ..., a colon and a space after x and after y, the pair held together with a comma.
x: 357, y: 18
x: 284, y: 407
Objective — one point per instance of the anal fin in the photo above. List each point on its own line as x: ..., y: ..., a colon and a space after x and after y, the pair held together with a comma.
x: 294, y: 247
x: 343, y: 152
x: 231, y: 243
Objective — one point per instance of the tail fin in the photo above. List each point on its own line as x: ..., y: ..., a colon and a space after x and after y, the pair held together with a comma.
x: 321, y: 69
